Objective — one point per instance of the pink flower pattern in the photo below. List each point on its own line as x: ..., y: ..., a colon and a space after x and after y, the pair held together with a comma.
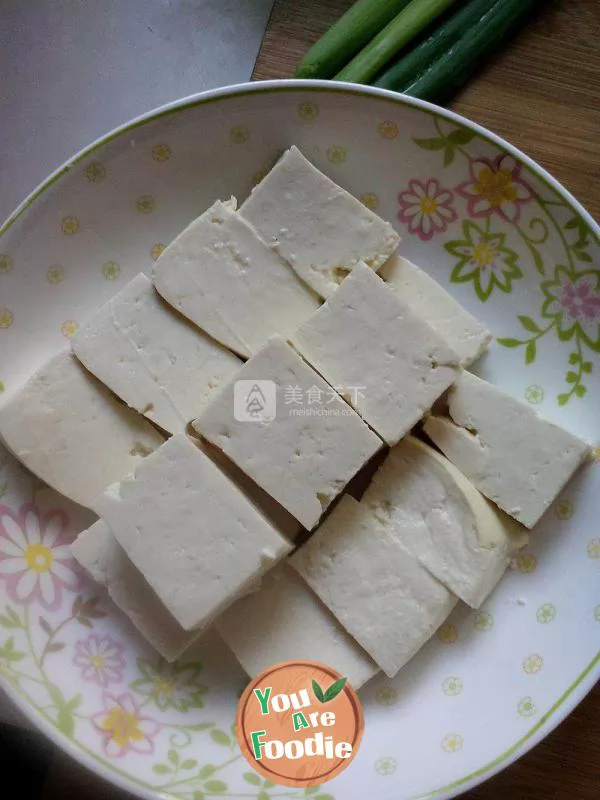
x: 495, y: 186
x: 101, y: 659
x: 573, y: 300
x: 35, y: 560
x: 123, y: 727
x: 426, y: 208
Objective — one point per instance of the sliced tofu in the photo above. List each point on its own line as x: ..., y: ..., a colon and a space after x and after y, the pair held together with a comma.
x: 71, y: 432
x: 389, y: 362
x: 514, y: 457
x: 151, y: 358
x: 285, y: 620
x: 219, y: 274
x: 320, y: 229
x: 99, y: 553
x: 379, y: 592
x: 190, y: 531
x: 277, y: 515
x: 439, y: 516
x: 303, y: 460
x: 457, y: 327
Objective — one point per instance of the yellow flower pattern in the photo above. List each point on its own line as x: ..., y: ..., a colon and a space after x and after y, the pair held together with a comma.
x: 546, y: 614
x: 55, y: 274
x: 95, y: 172
x: 111, y: 270
x: 593, y: 548
x: 483, y: 621
x: 68, y: 328
x: 308, y: 111
x: 6, y: 318
x: 386, y: 696
x: 69, y: 225
x: 370, y: 200
x: 6, y: 263
x: 452, y: 686
x: 532, y: 664
x: 156, y: 250
x: 447, y: 634
x: 452, y: 743
x: 526, y: 707
x: 564, y: 509
x: 161, y: 153
x: 145, y: 204
x: 526, y: 563
x: 239, y: 134
x: 336, y: 154
x: 388, y: 129
x: 534, y: 394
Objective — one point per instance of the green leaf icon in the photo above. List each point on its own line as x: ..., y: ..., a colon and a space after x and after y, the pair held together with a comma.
x: 331, y: 693
x: 335, y: 689
x: 318, y: 692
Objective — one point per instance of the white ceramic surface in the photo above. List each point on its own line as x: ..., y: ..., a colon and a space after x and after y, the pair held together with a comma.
x: 507, y: 241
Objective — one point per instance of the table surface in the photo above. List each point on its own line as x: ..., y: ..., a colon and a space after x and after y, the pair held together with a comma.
x: 542, y: 93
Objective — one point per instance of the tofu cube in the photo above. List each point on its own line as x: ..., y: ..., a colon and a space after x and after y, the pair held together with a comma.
x: 320, y: 229
x: 99, y: 553
x: 377, y: 590
x: 389, y: 361
x: 219, y: 274
x: 301, y: 454
x: 457, y: 327
x: 151, y: 358
x: 285, y: 620
x: 72, y: 433
x: 190, y: 531
x: 514, y: 457
x: 439, y: 517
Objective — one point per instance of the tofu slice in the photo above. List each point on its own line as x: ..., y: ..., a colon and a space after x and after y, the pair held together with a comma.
x: 390, y: 362
x: 190, y: 531
x: 99, y: 553
x: 320, y: 229
x: 457, y: 327
x: 219, y: 274
x: 71, y: 432
x: 439, y: 516
x: 514, y: 457
x: 379, y: 592
x: 302, y: 460
x: 286, y: 524
x: 285, y: 620
x: 151, y: 357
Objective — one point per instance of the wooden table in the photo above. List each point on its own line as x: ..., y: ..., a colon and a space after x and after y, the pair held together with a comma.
x: 542, y: 93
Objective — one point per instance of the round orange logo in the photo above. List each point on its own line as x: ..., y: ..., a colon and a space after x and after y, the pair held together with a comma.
x: 299, y: 723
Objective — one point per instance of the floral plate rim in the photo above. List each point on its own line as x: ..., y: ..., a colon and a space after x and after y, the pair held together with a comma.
x: 586, y: 680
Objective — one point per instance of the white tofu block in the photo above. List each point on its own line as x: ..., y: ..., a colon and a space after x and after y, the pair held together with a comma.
x: 222, y: 276
x: 320, y: 229
x: 151, y: 357
x: 302, y: 460
x: 286, y: 524
x: 285, y: 620
x: 99, y: 553
x: 439, y: 516
x: 379, y: 592
x: 191, y: 532
x: 457, y: 327
x: 514, y: 457
x: 389, y: 362
x: 71, y: 432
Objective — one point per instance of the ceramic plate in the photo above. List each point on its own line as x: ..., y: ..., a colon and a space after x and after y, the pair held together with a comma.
x: 500, y: 234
